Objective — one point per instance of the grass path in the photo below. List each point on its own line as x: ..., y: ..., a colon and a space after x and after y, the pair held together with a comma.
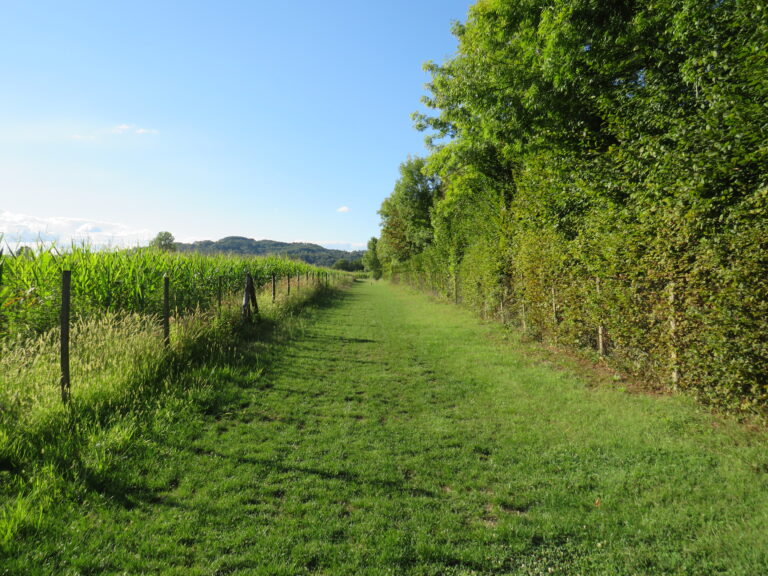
x: 395, y: 435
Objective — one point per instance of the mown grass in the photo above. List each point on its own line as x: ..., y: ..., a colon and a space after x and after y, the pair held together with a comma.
x: 125, y: 384
x: 393, y: 435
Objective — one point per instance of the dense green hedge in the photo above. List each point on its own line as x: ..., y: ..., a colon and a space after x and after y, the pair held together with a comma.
x: 602, y: 167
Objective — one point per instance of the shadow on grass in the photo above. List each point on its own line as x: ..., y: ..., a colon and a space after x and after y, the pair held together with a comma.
x: 346, y: 476
x: 266, y: 330
x: 130, y: 495
x: 259, y: 344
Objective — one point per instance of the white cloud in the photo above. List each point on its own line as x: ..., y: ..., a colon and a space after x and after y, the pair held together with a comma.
x: 343, y: 209
x: 121, y: 129
x: 24, y: 229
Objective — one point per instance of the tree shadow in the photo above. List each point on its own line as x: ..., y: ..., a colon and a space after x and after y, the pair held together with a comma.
x: 346, y: 476
x: 259, y: 346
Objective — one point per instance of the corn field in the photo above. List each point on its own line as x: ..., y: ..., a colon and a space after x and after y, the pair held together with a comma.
x: 119, y: 281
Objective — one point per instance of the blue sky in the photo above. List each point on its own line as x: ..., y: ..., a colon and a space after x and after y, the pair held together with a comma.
x: 207, y: 119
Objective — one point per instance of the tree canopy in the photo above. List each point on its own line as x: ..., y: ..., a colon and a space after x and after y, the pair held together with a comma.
x: 602, y: 165
x: 164, y: 241
x: 371, y: 259
x: 405, y: 214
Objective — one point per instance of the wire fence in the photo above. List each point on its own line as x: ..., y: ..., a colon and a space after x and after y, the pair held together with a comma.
x: 47, y: 290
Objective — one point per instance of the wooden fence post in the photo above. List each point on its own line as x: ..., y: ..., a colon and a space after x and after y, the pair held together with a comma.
x: 523, y: 318
x: 166, y: 311
x: 298, y: 281
x: 274, y: 288
x: 219, y: 291
x: 66, y: 293
x: 246, y: 310
x: 600, y: 327
x: 456, y: 288
x: 675, y: 375
x: 554, y: 307
x: 522, y: 315
x: 249, y: 298
x: 253, y: 299
x: 288, y: 277
x: 501, y: 305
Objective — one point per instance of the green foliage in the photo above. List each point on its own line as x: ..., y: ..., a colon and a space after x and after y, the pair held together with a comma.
x: 602, y: 170
x: 396, y: 435
x: 406, y: 229
x: 348, y: 266
x: 371, y: 259
x: 309, y: 253
x: 164, y: 241
x: 124, y: 281
x: 129, y: 390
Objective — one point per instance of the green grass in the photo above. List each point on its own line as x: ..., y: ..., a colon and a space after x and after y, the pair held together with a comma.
x: 381, y: 433
x: 124, y: 382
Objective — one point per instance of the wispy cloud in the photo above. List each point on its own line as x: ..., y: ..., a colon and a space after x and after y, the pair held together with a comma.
x: 25, y: 229
x: 119, y: 130
x: 131, y: 129
x: 343, y: 209
x: 122, y: 129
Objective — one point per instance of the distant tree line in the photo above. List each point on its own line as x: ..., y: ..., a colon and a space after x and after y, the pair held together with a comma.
x: 309, y: 253
x: 348, y: 265
x: 598, y: 176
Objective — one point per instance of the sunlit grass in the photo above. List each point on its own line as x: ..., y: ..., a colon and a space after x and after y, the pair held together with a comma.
x: 124, y: 380
x: 393, y: 435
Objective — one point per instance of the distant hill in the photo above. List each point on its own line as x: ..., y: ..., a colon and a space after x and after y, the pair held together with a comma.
x: 310, y: 253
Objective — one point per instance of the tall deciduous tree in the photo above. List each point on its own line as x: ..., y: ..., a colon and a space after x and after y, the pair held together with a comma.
x: 602, y: 164
x: 371, y: 259
x: 405, y: 214
x: 164, y: 241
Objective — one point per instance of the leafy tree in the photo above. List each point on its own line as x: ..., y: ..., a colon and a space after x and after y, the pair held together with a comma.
x: 371, y: 259
x: 164, y: 241
x: 347, y: 265
x: 405, y: 214
x: 602, y: 164
x: 25, y: 252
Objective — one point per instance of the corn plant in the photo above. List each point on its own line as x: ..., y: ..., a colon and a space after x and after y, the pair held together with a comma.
x: 119, y: 281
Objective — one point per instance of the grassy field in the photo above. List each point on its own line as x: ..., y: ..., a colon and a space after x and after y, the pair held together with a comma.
x: 381, y: 433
